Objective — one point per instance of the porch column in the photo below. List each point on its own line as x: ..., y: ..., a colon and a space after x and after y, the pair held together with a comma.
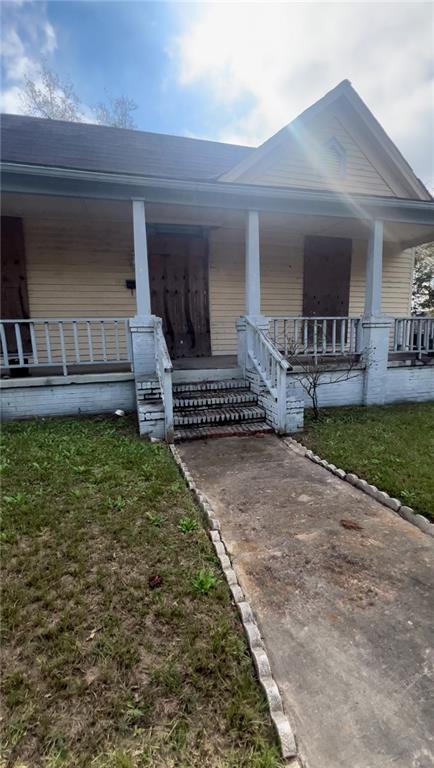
x: 142, y: 325
x: 376, y: 326
x: 143, y: 295
x: 253, y: 266
x: 374, y: 270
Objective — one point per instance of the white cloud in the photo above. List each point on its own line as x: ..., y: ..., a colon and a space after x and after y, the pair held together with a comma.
x: 26, y: 37
x: 280, y: 57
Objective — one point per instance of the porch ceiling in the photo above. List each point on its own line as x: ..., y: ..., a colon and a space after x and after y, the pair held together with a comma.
x: 272, y: 224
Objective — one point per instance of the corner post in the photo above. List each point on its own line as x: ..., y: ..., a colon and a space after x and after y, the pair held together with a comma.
x: 376, y: 326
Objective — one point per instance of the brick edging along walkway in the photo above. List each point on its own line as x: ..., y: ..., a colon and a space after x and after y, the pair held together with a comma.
x: 395, y: 505
x: 254, y: 639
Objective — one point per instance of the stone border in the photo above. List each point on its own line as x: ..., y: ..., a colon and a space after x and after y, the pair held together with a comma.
x: 395, y: 505
x: 254, y: 639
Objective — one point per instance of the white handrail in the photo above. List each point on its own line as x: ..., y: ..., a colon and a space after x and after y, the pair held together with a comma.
x: 64, y: 342
x: 271, y: 367
x: 164, y: 370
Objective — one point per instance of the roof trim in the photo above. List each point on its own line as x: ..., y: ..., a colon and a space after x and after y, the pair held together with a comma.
x: 346, y: 90
x: 72, y: 183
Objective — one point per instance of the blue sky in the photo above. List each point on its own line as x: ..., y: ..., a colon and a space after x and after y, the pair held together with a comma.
x: 232, y: 71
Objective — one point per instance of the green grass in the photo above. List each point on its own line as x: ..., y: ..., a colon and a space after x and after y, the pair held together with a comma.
x: 391, y: 447
x: 121, y: 647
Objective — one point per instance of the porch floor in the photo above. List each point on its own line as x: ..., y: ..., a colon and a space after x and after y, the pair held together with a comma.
x: 205, y: 363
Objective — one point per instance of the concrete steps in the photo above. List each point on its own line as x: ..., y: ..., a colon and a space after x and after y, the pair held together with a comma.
x: 216, y: 408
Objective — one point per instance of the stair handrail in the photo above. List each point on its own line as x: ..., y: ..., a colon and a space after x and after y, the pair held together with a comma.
x: 164, y: 368
x: 271, y: 366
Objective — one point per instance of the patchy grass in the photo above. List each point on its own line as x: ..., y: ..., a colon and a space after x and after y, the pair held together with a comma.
x: 121, y: 647
x: 391, y: 447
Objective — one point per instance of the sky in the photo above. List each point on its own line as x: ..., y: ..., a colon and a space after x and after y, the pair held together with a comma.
x: 232, y: 71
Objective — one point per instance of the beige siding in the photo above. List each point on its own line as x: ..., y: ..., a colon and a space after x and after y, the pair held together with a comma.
x: 282, y: 283
x: 77, y: 267
x: 300, y: 162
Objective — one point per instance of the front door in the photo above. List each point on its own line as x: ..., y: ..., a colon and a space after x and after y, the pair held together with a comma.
x: 178, y: 274
x: 327, y: 274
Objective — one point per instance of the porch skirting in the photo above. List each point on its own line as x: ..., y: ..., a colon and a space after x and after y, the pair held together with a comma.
x: 92, y: 394
x: 83, y: 394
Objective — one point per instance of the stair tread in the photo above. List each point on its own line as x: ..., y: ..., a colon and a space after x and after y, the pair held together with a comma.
x: 222, y: 430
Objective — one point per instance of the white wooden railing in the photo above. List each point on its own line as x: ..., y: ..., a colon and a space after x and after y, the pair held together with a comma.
x: 413, y: 334
x: 164, y: 370
x: 316, y: 336
x: 271, y: 367
x: 62, y: 343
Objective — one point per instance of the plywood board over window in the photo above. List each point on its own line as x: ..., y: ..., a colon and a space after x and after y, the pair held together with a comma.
x: 327, y: 273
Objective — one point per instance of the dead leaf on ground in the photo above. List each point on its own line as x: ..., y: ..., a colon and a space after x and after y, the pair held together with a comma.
x: 155, y: 581
x: 92, y: 634
x: 351, y: 525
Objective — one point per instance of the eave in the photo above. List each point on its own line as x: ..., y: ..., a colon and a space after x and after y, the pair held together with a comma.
x: 40, y: 180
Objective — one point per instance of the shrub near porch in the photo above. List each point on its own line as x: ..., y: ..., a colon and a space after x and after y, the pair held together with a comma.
x: 121, y: 645
x: 391, y: 447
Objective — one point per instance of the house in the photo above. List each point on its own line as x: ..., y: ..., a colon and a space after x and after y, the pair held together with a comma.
x: 175, y: 275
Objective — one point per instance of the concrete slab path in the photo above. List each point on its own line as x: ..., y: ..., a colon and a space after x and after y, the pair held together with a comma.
x: 347, y: 614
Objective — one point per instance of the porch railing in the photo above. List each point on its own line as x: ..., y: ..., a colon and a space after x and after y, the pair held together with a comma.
x: 164, y: 370
x: 414, y: 335
x: 316, y: 336
x: 63, y: 343
x: 271, y: 367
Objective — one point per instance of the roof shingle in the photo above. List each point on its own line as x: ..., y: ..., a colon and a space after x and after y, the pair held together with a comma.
x: 82, y: 146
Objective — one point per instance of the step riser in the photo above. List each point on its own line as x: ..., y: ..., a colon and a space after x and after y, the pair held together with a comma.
x: 227, y: 430
x: 220, y: 416
x: 206, y: 386
x: 246, y: 398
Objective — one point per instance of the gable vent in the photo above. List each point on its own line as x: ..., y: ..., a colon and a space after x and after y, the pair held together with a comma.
x: 334, y: 158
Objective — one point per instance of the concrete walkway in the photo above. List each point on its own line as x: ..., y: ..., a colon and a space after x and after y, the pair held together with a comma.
x: 347, y: 614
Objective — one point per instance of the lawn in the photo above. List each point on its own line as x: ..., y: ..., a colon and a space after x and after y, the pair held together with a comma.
x: 121, y: 646
x: 391, y: 447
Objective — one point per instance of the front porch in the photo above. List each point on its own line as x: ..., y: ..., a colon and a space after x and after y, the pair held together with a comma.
x: 231, y: 302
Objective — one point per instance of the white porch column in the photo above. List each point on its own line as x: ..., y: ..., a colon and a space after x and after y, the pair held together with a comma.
x: 376, y: 326
x: 374, y: 270
x: 142, y: 325
x: 143, y: 295
x: 253, y: 265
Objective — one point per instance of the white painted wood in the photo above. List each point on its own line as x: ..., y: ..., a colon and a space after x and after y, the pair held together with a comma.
x: 253, y: 265
x: 143, y: 295
x: 374, y: 270
x: 164, y: 368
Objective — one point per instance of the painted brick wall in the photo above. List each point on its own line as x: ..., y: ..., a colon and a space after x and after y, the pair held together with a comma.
x: 67, y: 400
x: 410, y: 384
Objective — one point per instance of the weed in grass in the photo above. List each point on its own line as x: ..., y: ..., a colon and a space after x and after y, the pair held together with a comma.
x: 155, y: 520
x: 204, y: 581
x: 188, y: 524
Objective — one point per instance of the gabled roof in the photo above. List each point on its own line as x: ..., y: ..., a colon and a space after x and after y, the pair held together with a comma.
x: 102, y: 149
x: 343, y: 91
x: 81, y: 146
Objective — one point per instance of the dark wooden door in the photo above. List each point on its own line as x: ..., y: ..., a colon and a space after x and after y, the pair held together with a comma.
x: 14, y: 296
x: 327, y: 274
x: 178, y: 274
